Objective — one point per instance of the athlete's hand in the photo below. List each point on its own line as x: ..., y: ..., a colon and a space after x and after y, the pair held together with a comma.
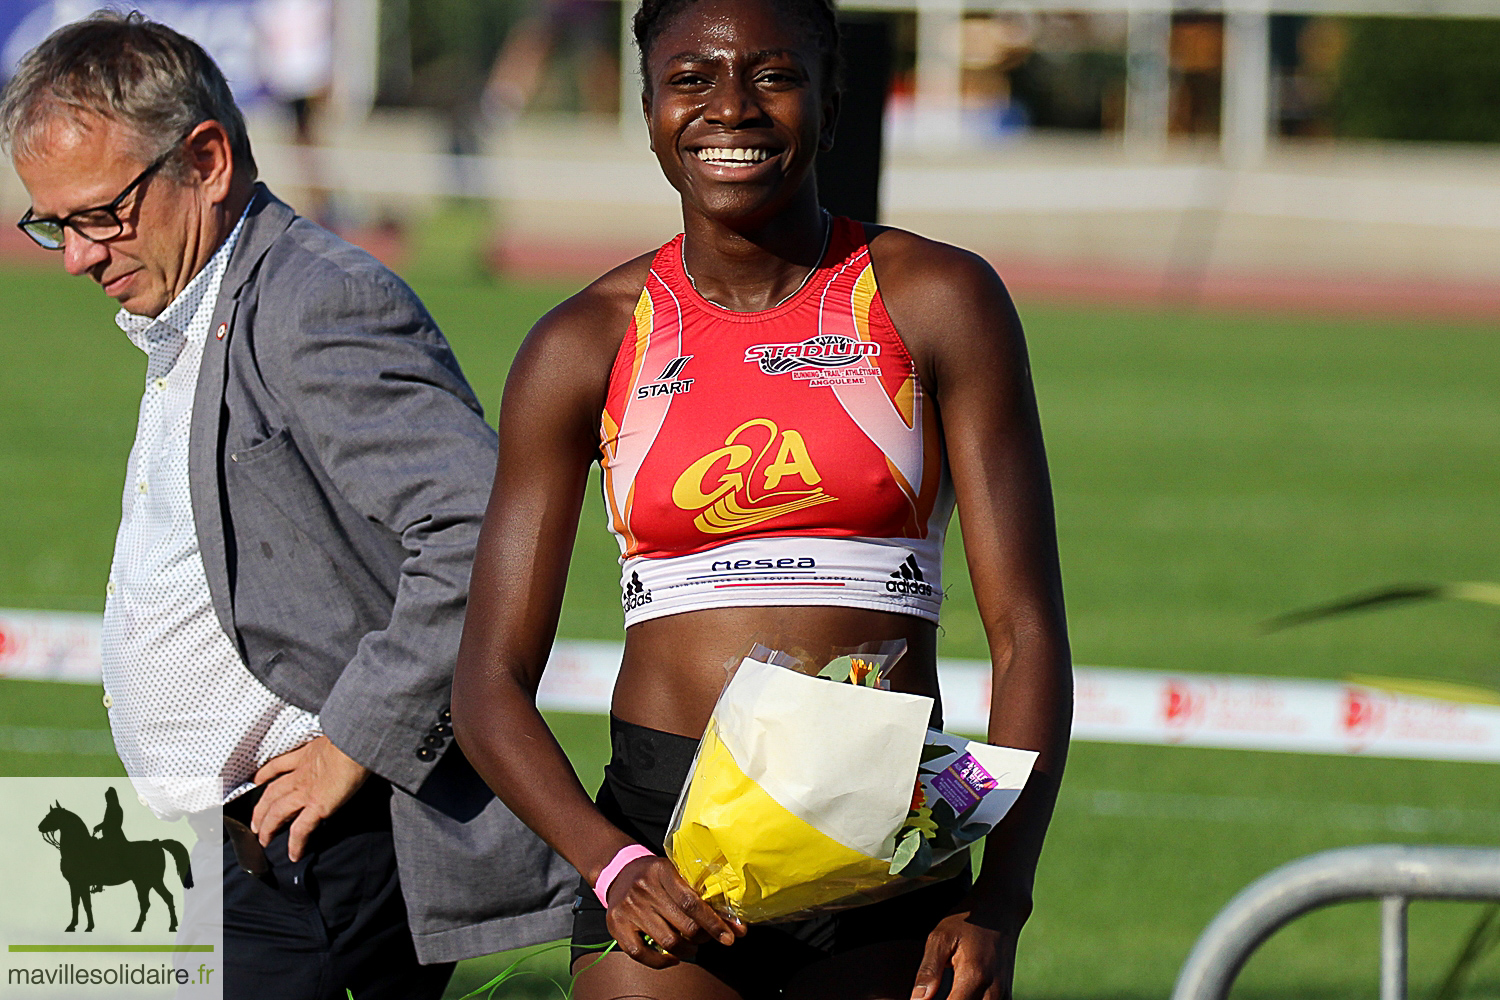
x: 649, y: 897
x: 983, y: 961
x: 311, y: 783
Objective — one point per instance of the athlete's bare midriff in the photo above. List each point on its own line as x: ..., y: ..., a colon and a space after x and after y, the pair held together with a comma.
x: 675, y: 667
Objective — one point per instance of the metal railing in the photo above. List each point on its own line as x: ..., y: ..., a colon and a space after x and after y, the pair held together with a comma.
x: 1394, y: 875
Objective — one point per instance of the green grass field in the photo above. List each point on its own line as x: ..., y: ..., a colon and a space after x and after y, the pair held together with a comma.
x: 1210, y: 471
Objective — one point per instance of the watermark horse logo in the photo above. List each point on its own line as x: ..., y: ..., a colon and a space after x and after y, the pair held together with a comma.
x: 89, y: 863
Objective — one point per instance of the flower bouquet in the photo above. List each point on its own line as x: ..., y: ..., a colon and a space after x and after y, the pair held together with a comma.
x: 816, y: 788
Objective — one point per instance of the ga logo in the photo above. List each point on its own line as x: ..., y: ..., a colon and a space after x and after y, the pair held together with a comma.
x: 737, y: 486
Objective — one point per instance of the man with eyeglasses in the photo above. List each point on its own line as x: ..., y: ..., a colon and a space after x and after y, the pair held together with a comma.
x: 300, y: 512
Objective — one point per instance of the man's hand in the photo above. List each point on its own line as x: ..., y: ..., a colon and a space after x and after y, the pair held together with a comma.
x: 983, y: 961
x: 311, y: 783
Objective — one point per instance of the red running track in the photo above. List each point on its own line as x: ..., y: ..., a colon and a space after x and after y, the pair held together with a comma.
x: 1301, y: 293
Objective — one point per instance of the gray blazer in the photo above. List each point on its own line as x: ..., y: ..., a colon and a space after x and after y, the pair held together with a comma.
x: 340, y: 466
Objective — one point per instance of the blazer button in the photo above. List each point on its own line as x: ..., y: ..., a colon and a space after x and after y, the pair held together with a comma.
x: 432, y: 740
x: 425, y: 754
x: 445, y: 716
x: 443, y: 729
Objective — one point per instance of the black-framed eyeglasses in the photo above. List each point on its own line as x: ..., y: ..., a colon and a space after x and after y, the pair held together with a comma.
x: 98, y: 225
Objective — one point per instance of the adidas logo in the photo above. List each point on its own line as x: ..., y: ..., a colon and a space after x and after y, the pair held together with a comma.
x: 636, y: 593
x: 908, y: 580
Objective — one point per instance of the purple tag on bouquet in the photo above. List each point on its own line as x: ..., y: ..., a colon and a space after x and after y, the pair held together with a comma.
x: 963, y: 783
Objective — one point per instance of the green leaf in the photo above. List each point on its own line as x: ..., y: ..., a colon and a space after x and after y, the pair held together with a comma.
x: 919, y: 862
x: 932, y: 751
x: 972, y: 832
x: 906, y: 850
x: 838, y: 669
x: 922, y: 863
x: 943, y: 812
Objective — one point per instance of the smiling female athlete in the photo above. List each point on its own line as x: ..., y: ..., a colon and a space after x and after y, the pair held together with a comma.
x: 787, y: 406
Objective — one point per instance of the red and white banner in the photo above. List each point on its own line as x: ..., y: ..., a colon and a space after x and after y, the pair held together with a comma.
x: 1268, y: 713
x: 50, y: 645
x: 1111, y: 705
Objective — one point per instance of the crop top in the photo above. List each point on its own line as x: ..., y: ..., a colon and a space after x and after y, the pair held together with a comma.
x: 781, y: 457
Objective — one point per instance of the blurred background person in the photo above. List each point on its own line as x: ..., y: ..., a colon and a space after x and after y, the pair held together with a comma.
x: 295, y: 59
x: 580, y: 32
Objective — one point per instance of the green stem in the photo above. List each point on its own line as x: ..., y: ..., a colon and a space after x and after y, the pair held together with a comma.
x: 1482, y: 939
x: 513, y: 970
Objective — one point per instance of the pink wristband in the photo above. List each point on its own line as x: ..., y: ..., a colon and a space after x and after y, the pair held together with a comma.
x: 627, y: 854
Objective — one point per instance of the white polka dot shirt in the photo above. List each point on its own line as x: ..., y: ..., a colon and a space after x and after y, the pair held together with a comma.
x: 191, y: 723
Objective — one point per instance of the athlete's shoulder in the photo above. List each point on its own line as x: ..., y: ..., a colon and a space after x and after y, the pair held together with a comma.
x: 906, y: 262
x: 947, y: 303
x: 582, y: 334
x: 560, y: 374
x: 602, y: 309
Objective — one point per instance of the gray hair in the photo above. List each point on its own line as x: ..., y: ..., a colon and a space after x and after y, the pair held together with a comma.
x: 125, y: 68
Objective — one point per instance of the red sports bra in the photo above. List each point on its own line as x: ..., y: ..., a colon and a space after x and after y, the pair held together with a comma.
x: 782, y: 457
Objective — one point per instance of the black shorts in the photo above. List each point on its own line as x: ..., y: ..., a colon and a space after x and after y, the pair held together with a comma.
x: 642, y: 781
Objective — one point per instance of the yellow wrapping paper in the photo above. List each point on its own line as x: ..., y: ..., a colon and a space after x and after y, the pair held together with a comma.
x: 798, y: 790
x: 746, y: 854
x: 801, y: 787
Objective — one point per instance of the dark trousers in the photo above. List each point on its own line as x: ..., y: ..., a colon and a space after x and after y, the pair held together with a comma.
x: 331, y: 922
